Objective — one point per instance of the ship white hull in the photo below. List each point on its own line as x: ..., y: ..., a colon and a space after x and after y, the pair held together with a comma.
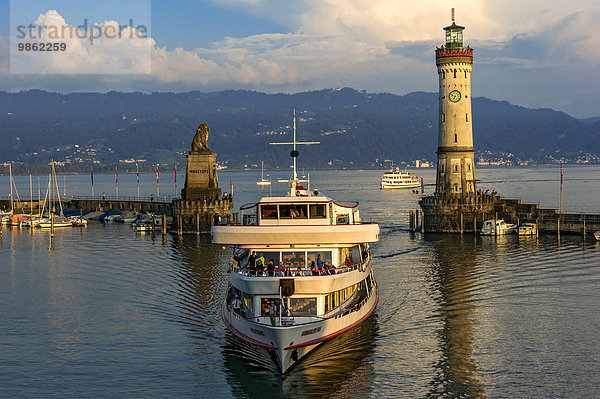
x: 291, y: 343
x: 385, y: 186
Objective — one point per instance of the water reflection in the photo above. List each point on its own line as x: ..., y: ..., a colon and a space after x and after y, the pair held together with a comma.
x: 452, y: 278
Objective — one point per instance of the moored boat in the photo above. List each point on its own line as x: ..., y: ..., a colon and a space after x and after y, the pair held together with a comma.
x: 302, y: 271
x: 527, y: 229
x: 497, y: 227
x: 78, y: 221
x: 597, y: 235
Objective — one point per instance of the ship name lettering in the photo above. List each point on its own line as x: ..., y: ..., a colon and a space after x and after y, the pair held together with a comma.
x: 311, y: 331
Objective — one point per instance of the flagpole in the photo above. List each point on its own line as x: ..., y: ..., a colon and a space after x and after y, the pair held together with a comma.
x: 137, y: 174
x: 116, y: 183
x: 157, y: 186
x: 561, y: 188
x: 92, y: 176
x: 175, y: 180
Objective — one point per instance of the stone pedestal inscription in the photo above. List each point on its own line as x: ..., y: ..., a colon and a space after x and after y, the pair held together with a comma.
x: 201, y: 177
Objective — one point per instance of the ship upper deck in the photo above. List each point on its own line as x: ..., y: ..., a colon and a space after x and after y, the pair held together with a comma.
x: 313, y: 220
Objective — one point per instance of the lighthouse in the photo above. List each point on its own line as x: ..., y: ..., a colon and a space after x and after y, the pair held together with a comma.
x: 456, y: 168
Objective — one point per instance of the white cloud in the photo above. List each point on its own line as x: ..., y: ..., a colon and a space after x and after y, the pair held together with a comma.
x: 381, y: 46
x: 102, y: 48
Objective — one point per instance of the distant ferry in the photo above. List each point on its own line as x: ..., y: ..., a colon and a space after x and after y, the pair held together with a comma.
x: 396, y: 178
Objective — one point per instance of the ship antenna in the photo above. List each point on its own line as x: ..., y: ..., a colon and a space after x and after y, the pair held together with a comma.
x: 293, y: 182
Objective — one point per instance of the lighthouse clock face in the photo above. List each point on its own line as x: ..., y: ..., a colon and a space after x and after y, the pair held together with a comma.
x: 454, y: 96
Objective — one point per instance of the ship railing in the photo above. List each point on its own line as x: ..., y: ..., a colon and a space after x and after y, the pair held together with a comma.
x: 300, y: 272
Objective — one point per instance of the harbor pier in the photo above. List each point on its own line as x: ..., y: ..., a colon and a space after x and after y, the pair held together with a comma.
x: 467, y: 214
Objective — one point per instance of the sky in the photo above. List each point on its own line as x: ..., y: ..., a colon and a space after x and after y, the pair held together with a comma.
x: 534, y: 53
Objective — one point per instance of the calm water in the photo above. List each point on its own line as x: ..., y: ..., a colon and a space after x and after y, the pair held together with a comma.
x: 108, y: 312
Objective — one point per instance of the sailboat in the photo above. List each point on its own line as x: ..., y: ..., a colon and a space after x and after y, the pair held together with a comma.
x: 5, y: 216
x: 59, y: 220
x: 263, y: 181
x: 10, y: 218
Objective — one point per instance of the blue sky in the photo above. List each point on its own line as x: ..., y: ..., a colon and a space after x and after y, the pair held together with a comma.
x: 538, y: 53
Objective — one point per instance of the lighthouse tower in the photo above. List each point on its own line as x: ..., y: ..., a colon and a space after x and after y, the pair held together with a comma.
x: 456, y: 168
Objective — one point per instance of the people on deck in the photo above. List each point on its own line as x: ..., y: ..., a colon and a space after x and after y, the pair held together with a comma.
x: 313, y: 268
x: 273, y: 312
x: 237, y: 304
x: 280, y: 269
x: 271, y: 268
x: 251, y: 265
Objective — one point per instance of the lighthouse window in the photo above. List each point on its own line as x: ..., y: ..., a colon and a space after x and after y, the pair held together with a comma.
x: 455, y: 73
x: 443, y: 117
x: 456, y: 168
x: 443, y: 74
x: 467, y: 117
x: 455, y: 138
x: 465, y: 74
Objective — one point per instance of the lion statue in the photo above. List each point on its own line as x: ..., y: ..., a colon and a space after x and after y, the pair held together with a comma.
x: 199, y: 143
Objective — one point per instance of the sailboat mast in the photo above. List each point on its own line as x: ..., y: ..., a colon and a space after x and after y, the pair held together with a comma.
x: 30, y: 199
x: 295, y: 175
x: 57, y: 189
x: 12, y: 206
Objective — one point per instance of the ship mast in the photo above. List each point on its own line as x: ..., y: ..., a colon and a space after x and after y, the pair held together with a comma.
x: 293, y: 182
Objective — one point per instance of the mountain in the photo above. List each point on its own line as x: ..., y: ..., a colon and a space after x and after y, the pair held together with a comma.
x: 355, y: 128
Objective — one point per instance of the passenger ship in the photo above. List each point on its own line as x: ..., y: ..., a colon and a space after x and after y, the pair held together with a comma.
x: 322, y: 283
x: 396, y: 178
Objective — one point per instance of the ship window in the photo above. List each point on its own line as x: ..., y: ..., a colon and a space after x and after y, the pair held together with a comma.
x: 270, y: 256
x: 293, y: 260
x: 265, y: 303
x: 317, y: 211
x: 292, y: 211
x: 268, y: 211
x: 303, y: 306
x: 312, y: 257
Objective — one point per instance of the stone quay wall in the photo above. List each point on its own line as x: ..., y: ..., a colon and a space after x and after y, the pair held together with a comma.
x: 194, y: 217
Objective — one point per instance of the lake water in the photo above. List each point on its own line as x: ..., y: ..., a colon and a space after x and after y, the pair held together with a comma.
x: 107, y: 312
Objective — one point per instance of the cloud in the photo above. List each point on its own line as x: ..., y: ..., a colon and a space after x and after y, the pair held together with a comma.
x: 105, y: 48
x: 376, y: 44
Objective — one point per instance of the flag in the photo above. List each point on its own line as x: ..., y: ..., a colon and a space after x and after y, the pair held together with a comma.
x: 116, y: 176
x: 561, y: 174
x: 156, y: 173
x: 137, y: 173
x: 92, y: 175
x: 175, y: 174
